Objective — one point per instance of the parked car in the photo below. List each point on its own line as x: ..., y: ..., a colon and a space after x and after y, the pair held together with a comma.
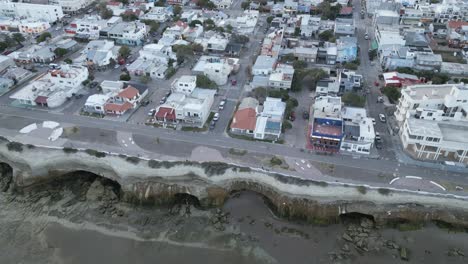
x: 305, y: 115
x: 382, y: 118
x: 212, y: 125
x: 221, y: 105
x: 292, y: 116
x: 152, y: 112
x: 373, y: 121
x: 145, y: 103
x: 163, y: 100
x: 233, y: 82
x: 377, y: 136
x: 168, y: 93
x: 94, y: 84
x: 380, y: 99
x: 378, y: 144
x: 216, y: 117
x: 116, y: 66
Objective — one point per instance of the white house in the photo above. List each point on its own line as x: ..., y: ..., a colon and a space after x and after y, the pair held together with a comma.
x: 100, y: 53
x: 191, y: 108
x: 246, y: 23
x: 358, y: 130
x: 264, y: 65
x: 111, y: 86
x: 184, y: 84
x: 95, y: 103
x: 216, y: 68
x: 53, y: 89
x: 269, y: 121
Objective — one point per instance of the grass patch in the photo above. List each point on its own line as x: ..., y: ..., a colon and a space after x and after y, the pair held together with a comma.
x: 15, y: 146
x: 361, y: 189
x: 275, y: 161
x: 69, y: 150
x: 237, y: 152
x: 383, y: 191
x: 194, y: 129
x: 95, y: 153
x: 215, y: 168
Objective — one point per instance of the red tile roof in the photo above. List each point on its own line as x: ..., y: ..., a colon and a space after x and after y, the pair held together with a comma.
x: 245, y: 119
x: 114, y: 3
x: 456, y: 24
x: 122, y: 108
x: 166, y: 113
x: 346, y: 10
x: 129, y: 92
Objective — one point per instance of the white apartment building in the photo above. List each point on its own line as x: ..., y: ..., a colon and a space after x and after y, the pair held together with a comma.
x: 433, y: 121
x: 26, y: 26
x: 53, y: 89
x: 358, y: 130
x: 100, y: 53
x: 246, y: 23
x: 184, y: 84
x: 216, y: 68
x: 71, y: 6
x: 49, y: 13
x: 87, y: 27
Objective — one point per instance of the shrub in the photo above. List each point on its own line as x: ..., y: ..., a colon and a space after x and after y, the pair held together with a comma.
x: 245, y: 169
x: 125, y: 77
x: 29, y: 146
x: 69, y: 150
x: 133, y: 160
x: 15, y: 146
x: 214, y: 168
x: 239, y: 152
x: 276, y: 161
x: 361, y: 189
x: 95, y: 153
x: 383, y: 191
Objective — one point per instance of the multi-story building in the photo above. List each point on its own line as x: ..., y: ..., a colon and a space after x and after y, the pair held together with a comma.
x: 128, y: 33
x: 53, y: 89
x: 216, y: 68
x: 358, y: 130
x: 327, y: 124
x: 184, y: 84
x: 269, y: 121
x: 281, y: 77
x: 71, y: 6
x: 434, y: 102
x: 88, y: 27
x: 49, y: 13
x: 100, y: 53
x: 310, y: 25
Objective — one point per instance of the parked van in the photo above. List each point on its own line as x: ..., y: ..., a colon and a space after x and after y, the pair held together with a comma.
x: 54, y: 66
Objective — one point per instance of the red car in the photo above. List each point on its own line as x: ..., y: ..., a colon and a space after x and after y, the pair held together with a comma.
x: 233, y: 82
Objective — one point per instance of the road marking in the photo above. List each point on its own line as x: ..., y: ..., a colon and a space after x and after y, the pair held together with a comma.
x: 308, y: 165
x: 302, y: 168
x: 123, y: 141
x: 297, y: 164
x: 396, y: 179
x: 303, y: 161
x: 125, y: 145
x: 438, y: 185
x: 413, y: 177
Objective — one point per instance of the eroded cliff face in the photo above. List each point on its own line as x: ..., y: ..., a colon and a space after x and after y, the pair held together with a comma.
x: 161, y: 182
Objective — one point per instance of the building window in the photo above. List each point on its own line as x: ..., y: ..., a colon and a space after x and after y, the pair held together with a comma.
x: 429, y: 114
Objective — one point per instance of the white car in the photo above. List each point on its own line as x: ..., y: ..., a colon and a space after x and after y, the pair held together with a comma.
x: 152, y: 112
x: 377, y: 136
x: 216, y: 117
x: 221, y: 105
x: 382, y: 118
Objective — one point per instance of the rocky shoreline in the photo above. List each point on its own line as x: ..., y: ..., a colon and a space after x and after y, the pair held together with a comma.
x: 151, y: 182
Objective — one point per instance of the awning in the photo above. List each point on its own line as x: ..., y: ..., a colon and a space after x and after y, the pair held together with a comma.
x: 374, y: 45
x: 41, y: 100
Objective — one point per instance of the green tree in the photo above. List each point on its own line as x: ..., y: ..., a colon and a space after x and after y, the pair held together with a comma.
x: 392, y: 93
x: 279, y: 93
x: 307, y: 77
x: 209, y: 24
x: 260, y: 93
x: 229, y: 28
x: 353, y: 99
x: 205, y: 82
x: 125, y: 77
x: 245, y: 5
x: 129, y: 17
x: 145, y: 79
x: 18, y: 37
x: 106, y: 13
x: 299, y: 65
x: 241, y: 39
x: 269, y: 19
x: 177, y: 10
x: 68, y: 61
x: 196, y: 47
x: 3, y: 46
x: 328, y: 11
x: 326, y: 35
x: 124, y: 52
x: 159, y: 3
x: 350, y: 66
x: 43, y: 37
x: 207, y: 4
x: 60, y: 52
x: 195, y: 22
x: 183, y: 52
